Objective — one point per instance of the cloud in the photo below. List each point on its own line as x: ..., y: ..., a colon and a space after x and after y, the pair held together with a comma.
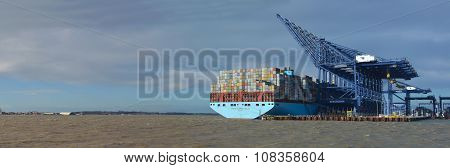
x: 35, y: 92
x: 64, y: 55
x: 40, y: 47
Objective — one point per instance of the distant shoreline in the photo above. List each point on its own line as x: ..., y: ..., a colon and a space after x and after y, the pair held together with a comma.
x: 104, y: 113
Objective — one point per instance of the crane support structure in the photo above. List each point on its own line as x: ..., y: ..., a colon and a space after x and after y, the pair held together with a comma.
x: 441, y: 105
x: 346, y: 78
x: 407, y: 90
x: 431, y: 98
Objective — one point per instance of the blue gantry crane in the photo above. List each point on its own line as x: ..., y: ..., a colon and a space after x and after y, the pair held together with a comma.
x: 442, y: 110
x: 407, y: 89
x: 348, y: 78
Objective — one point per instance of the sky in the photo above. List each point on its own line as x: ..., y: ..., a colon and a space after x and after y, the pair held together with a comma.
x: 81, y: 55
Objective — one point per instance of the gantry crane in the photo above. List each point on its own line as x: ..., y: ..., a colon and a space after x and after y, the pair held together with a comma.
x: 348, y: 77
x: 441, y: 106
x: 431, y: 98
x: 422, y: 110
x: 405, y: 88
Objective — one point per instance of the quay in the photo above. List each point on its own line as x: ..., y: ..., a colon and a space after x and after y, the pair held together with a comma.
x: 345, y: 118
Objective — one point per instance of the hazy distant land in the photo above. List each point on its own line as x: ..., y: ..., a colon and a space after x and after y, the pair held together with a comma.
x: 105, y: 113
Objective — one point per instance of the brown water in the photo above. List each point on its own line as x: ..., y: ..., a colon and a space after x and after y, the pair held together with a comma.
x: 214, y: 131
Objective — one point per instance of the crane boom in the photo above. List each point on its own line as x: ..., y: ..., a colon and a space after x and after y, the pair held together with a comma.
x: 321, y: 51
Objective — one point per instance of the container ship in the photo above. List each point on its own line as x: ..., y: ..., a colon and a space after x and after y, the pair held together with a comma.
x: 252, y: 93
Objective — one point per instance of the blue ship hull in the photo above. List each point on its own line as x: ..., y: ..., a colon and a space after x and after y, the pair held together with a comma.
x: 252, y: 110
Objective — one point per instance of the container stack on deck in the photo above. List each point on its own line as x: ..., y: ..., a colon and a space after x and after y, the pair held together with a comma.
x: 266, y: 84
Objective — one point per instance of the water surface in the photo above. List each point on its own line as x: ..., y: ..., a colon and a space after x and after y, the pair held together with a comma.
x: 214, y: 131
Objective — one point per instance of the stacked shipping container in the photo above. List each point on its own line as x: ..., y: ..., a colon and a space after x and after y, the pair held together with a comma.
x: 266, y: 84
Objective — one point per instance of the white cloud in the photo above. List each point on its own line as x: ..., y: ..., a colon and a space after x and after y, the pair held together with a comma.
x: 34, y: 92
